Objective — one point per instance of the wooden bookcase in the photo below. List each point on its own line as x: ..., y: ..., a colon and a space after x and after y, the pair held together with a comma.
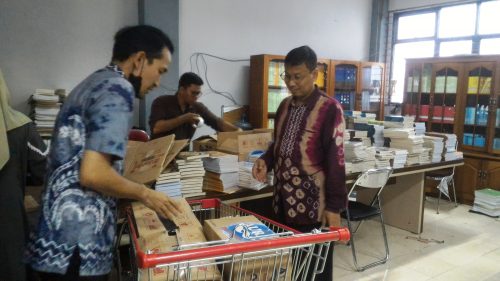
x: 356, y: 85
x: 460, y: 95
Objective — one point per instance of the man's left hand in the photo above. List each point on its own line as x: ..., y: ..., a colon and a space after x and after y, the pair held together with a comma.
x: 331, y: 219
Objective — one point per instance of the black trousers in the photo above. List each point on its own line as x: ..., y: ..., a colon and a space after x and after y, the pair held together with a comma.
x: 73, y: 272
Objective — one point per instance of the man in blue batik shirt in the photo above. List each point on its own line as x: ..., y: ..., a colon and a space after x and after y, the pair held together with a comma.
x: 77, y: 224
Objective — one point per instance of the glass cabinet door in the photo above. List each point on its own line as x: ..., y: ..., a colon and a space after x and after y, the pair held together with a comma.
x: 411, y: 98
x: 345, y: 81
x: 444, y: 100
x: 371, y: 88
x: 276, y: 89
x: 496, y: 138
x: 477, y: 102
x: 322, y: 79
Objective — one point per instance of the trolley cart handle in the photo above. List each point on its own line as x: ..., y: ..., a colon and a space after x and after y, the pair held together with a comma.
x: 151, y: 260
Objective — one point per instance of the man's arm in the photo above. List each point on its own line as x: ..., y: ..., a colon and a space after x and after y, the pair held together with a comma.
x: 226, y: 126
x: 97, y: 173
x: 166, y: 125
x: 335, y: 189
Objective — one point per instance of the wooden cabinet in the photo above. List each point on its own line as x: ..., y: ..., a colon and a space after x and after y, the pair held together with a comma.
x: 460, y: 95
x: 476, y: 173
x: 356, y: 85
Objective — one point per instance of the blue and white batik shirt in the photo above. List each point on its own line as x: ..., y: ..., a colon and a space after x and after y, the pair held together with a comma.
x: 96, y: 116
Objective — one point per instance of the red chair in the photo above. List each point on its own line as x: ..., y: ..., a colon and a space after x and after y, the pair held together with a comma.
x: 138, y: 135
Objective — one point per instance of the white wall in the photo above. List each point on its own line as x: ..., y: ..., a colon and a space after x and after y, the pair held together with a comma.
x: 395, y: 5
x: 57, y: 43
x: 238, y: 29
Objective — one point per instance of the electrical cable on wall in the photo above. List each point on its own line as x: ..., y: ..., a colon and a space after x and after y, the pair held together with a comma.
x: 200, y: 57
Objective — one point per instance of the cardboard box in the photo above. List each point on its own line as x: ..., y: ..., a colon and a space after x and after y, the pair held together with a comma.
x: 205, y: 143
x: 254, y: 267
x: 242, y: 143
x: 153, y: 238
x: 145, y: 161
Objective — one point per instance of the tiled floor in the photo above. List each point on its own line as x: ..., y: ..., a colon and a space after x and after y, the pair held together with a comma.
x: 470, y: 251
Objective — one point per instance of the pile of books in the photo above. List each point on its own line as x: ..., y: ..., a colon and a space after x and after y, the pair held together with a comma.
x: 400, y: 157
x: 487, y: 201
x: 221, y: 172
x: 169, y: 182
x: 190, y: 166
x: 383, y: 157
x: 450, y: 152
x: 358, y: 157
x: 45, y: 104
x: 436, y: 145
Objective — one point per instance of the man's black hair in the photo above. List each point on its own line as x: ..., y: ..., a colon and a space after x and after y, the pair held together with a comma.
x: 132, y: 39
x: 189, y: 78
x: 300, y: 55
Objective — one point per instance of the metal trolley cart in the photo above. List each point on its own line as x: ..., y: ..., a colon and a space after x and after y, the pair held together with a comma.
x: 287, y: 255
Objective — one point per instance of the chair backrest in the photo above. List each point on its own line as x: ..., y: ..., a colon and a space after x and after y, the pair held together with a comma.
x: 373, y: 178
x: 138, y: 135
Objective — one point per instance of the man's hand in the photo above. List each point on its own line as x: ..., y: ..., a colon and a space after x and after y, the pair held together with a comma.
x: 191, y: 118
x: 259, y: 170
x: 160, y: 203
x: 331, y: 219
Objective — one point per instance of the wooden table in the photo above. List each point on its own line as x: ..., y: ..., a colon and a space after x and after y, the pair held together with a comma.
x: 402, y: 198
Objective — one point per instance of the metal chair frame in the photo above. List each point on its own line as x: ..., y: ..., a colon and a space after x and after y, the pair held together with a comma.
x: 375, y: 179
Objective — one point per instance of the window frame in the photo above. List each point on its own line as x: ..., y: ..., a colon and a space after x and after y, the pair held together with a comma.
x: 475, y: 38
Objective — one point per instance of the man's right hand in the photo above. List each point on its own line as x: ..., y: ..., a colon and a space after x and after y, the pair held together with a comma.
x: 191, y: 118
x: 160, y: 203
x: 259, y: 170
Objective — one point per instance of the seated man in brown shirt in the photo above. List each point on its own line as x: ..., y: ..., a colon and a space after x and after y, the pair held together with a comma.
x: 179, y: 114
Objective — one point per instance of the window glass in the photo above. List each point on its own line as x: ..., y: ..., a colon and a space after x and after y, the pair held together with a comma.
x: 489, y: 46
x: 404, y: 51
x: 489, y: 20
x: 452, y: 48
x: 457, y: 21
x: 416, y: 26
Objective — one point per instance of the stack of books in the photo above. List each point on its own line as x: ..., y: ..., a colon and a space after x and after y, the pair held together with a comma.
x: 487, y: 201
x: 246, y: 179
x: 378, y: 136
x: 436, y: 145
x: 450, y: 152
x: 221, y: 172
x: 397, y: 121
x: 383, y: 157
x: 45, y: 107
x: 400, y: 157
x: 357, y: 135
x: 419, y: 128
x: 358, y: 157
x: 169, y: 182
x: 190, y: 166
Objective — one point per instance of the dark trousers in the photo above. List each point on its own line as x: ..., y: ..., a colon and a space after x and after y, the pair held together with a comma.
x: 73, y: 272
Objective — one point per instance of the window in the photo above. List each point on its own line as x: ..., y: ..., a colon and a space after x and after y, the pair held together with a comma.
x: 443, y: 31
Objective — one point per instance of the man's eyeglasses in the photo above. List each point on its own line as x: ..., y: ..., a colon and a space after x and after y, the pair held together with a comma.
x: 196, y: 94
x: 296, y: 77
